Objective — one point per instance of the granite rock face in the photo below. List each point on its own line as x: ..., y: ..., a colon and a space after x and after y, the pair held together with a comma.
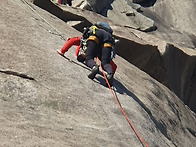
x: 47, y: 100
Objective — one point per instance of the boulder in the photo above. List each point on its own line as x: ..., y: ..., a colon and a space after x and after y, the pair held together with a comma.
x: 146, y: 18
x: 118, y: 10
x: 178, y: 14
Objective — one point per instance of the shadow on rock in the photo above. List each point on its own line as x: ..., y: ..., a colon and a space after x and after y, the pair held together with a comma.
x: 145, y: 3
x: 121, y: 89
x: 109, y: 7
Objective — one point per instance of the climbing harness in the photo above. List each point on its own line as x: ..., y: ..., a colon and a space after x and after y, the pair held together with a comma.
x: 94, y: 28
x: 82, y: 51
x: 116, y: 99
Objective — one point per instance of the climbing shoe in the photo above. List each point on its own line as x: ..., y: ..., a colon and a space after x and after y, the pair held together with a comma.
x: 110, y: 80
x: 94, y: 71
x: 60, y: 53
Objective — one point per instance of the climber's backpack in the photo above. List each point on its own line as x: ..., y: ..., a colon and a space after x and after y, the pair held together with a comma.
x: 104, y: 26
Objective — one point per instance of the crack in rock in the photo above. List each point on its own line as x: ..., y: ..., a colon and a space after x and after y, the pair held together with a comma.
x: 21, y: 75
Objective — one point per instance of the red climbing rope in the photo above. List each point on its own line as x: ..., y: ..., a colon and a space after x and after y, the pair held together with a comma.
x: 138, y: 135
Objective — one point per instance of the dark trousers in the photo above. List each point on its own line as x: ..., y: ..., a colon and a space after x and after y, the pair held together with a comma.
x: 103, y: 53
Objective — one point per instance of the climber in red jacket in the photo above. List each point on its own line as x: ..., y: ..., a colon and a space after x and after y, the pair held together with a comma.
x: 96, y: 41
x: 77, y: 41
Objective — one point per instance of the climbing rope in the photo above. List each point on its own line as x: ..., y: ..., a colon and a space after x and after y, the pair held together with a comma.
x: 58, y: 33
x: 138, y: 135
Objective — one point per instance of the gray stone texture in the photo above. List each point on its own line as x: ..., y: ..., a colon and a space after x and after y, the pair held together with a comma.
x: 47, y: 100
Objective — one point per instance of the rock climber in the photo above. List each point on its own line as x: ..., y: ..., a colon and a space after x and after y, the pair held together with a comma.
x: 96, y: 41
x: 99, y: 44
